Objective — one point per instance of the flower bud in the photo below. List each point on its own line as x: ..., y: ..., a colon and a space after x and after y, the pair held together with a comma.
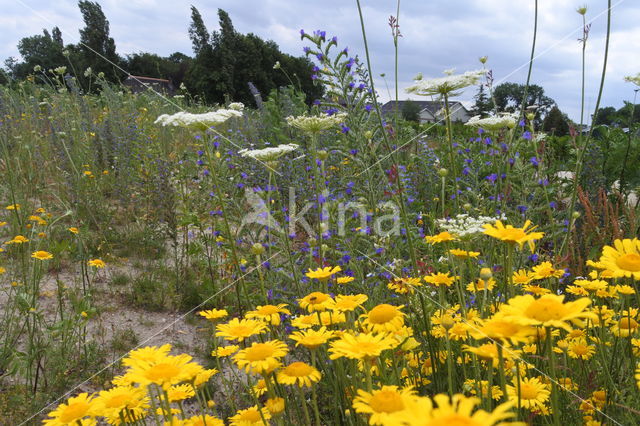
x: 443, y: 172
x: 485, y: 273
x: 257, y: 249
x: 575, y: 215
x: 313, y: 242
x: 322, y: 155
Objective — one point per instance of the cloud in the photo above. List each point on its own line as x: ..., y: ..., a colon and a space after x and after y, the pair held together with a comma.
x: 437, y: 35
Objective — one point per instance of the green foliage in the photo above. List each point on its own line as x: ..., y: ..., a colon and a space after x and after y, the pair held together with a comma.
x: 621, y: 117
x: 483, y: 104
x: 411, y: 111
x: 509, y: 96
x: 95, y: 40
x: 556, y: 122
x: 150, y: 292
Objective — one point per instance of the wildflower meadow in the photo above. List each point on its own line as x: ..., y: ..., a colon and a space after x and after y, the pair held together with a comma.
x: 296, y: 261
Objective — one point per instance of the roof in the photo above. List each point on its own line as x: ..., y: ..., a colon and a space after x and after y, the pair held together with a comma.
x: 149, y: 79
x: 432, y: 106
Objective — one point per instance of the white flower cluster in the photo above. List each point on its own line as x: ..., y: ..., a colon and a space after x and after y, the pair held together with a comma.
x: 497, y: 122
x: 635, y: 79
x: 236, y: 106
x: 268, y: 154
x: 463, y: 225
x: 316, y: 123
x: 199, y: 121
x: 447, y: 84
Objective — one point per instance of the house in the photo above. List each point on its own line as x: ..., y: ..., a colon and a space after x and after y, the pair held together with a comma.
x: 139, y: 84
x: 431, y: 111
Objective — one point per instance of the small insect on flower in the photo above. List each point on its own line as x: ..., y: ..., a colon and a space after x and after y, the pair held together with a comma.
x: 41, y: 255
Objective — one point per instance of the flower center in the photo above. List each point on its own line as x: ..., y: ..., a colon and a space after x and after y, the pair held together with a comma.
x: 513, y: 234
x: 580, y: 349
x: 118, y: 401
x: 629, y: 262
x: 454, y: 419
x: 251, y: 416
x: 386, y: 401
x: 162, y: 371
x: 528, y: 391
x: 545, y: 309
x: 74, y: 411
x: 259, y: 352
x: 382, y: 313
x: 298, y: 369
x: 628, y: 323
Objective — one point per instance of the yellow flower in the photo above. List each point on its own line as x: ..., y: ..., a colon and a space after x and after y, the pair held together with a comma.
x: 268, y: 313
x: 109, y: 403
x: 627, y: 324
x: 261, y: 358
x: 533, y: 393
x: 260, y: 388
x: 70, y: 413
x: 18, y: 239
x: 251, y: 417
x: 383, y: 318
x: 458, y: 410
x: 41, y: 255
x: 482, y: 387
x: 73, y: 230
x: 347, y: 303
x: 323, y: 274
x: 360, y: 346
x: 489, y: 351
x: 442, y: 237
x: 383, y: 404
x: 439, y: 279
x: 239, y: 330
x: 223, y: 351
x: 312, y: 339
x: 522, y: 277
x: 275, y: 405
x: 579, y: 349
x: 500, y: 328
x: 165, y: 371
x: 547, y: 311
x: 96, y: 263
x: 180, y: 392
x: 344, y: 280
x: 13, y: 207
x: 623, y: 260
x: 404, y: 285
x: 316, y: 301
x: 299, y: 374
x: 208, y: 420
x: 638, y: 375
x: 213, y: 314
x: 546, y: 270
x: 481, y: 285
x: 512, y: 235
x: 463, y: 254
x: 326, y: 318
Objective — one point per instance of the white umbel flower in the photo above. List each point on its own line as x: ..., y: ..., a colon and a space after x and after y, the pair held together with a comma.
x: 635, y: 79
x: 268, y: 154
x: 497, y: 122
x: 447, y: 84
x: 198, y: 121
x: 316, y: 123
x: 464, y: 225
x: 236, y: 106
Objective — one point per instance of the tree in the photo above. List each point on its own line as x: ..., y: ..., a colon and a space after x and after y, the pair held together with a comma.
x: 173, y: 67
x: 483, y: 104
x: 97, y: 49
x: 556, y: 122
x: 411, y: 111
x: 509, y: 96
x: 38, y: 50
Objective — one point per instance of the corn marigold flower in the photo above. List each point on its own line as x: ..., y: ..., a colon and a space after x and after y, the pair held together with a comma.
x: 546, y: 270
x: 579, y: 349
x: 180, y: 392
x: 316, y: 301
x: 261, y: 358
x: 627, y: 324
x: 623, y: 259
x: 312, y: 339
x: 404, y: 285
x: 299, y: 374
x: 73, y: 230
x: 252, y: 416
x: 549, y: 310
x: 383, y: 318
x: 489, y: 352
x: 349, y: 302
x: 165, y: 371
x: 109, y: 403
x: 464, y: 254
x: 512, y: 235
x: 534, y: 393
x: 361, y: 345
x: 323, y: 274
x: 481, y: 387
x: 326, y: 318
x: 18, y: 239
x: 268, y: 313
x: 438, y: 279
x: 384, y: 404
x: 481, y: 285
x: 96, y: 263
x: 203, y: 420
x: 275, y: 406
x: 458, y: 410
x: 344, y: 280
x: 442, y: 237
x: 74, y: 411
x: 500, y: 328
x: 41, y: 255
x: 13, y: 207
x: 522, y: 277
x: 240, y: 329
x: 222, y: 351
x: 214, y: 314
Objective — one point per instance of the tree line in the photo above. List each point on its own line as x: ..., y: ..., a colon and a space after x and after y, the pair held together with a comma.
x: 223, y: 64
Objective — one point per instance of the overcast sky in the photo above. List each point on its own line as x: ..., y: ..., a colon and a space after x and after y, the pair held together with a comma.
x: 437, y: 35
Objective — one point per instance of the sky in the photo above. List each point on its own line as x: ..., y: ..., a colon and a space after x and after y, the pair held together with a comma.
x: 437, y: 35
